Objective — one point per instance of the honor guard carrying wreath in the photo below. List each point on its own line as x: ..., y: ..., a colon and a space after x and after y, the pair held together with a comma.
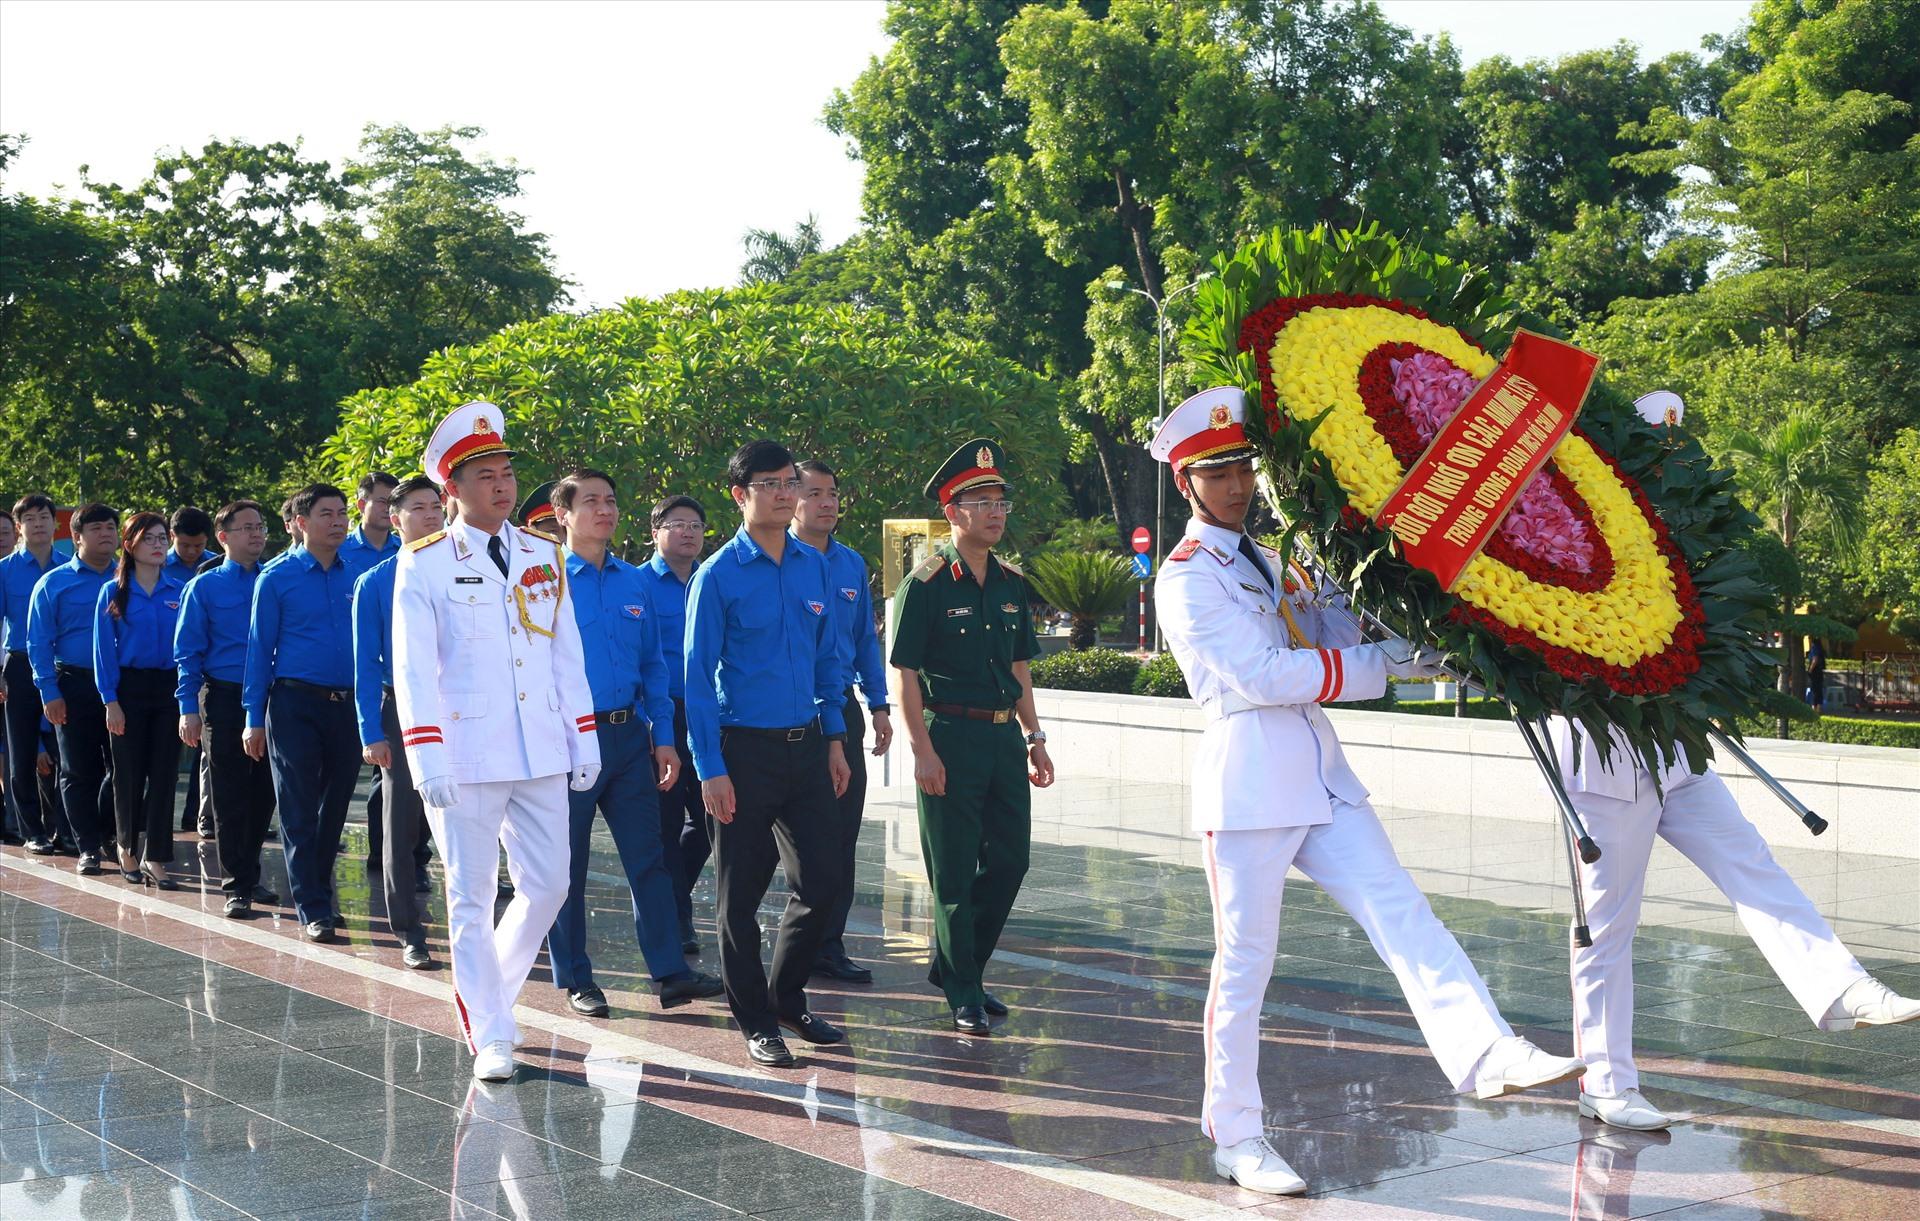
x: 962, y: 636
x: 1263, y: 645
x: 496, y: 717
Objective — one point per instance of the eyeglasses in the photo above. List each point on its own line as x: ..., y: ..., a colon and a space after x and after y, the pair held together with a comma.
x: 776, y: 485
x: 986, y: 506
x: 682, y: 527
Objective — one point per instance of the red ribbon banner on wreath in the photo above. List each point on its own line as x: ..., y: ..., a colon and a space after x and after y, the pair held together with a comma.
x: 1456, y: 494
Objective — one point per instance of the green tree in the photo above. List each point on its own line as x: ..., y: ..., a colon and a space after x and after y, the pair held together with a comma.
x: 427, y: 254
x: 772, y: 256
x: 660, y: 392
x: 1084, y: 584
x: 1890, y: 537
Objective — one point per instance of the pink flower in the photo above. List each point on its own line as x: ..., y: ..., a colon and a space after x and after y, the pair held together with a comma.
x: 1431, y: 388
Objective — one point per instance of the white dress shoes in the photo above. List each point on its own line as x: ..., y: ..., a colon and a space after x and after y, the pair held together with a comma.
x: 1630, y: 1110
x: 1512, y: 1064
x: 494, y: 1062
x: 1870, y: 1003
x: 1255, y: 1166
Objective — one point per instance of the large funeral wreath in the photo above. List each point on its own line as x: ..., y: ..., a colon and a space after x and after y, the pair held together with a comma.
x: 1619, y: 589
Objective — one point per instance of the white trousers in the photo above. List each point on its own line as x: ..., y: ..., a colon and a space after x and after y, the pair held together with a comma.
x: 1701, y: 819
x: 1353, y: 861
x: 491, y: 962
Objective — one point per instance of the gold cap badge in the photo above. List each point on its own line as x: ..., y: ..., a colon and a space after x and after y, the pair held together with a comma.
x: 482, y: 425
x: 1220, y: 417
x: 984, y: 458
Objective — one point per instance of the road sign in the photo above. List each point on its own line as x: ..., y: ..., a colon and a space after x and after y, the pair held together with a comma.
x: 1142, y: 539
x: 1142, y: 566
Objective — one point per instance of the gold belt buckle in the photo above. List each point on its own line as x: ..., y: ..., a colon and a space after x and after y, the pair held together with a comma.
x: 1002, y: 715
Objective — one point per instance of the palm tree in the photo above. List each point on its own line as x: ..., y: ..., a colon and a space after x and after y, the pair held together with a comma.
x: 1810, y: 472
x: 1084, y: 584
x: 772, y: 255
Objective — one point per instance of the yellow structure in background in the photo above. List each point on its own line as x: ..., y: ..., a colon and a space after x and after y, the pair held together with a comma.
x: 904, y: 542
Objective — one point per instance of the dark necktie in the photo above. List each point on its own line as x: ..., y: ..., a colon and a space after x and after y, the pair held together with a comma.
x: 1259, y: 562
x: 497, y: 552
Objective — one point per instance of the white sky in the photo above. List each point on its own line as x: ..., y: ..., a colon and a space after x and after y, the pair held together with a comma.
x: 658, y: 132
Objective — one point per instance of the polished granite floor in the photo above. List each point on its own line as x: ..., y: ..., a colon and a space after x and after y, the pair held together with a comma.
x: 159, y: 1060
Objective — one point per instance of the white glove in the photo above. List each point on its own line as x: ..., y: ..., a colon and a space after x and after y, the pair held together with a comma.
x: 583, y: 777
x: 440, y: 792
x: 1427, y: 665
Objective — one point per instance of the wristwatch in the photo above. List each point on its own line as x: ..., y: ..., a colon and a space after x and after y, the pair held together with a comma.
x: 1037, y: 738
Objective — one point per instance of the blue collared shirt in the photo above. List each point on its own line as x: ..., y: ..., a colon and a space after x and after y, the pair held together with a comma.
x: 60, y: 622
x: 853, y: 614
x: 302, y: 628
x: 761, y: 647
x: 361, y: 555
x: 667, y: 594
x: 141, y: 638
x: 210, y: 641
x: 187, y: 572
x: 620, y: 634
x: 19, y: 573
x: 373, y: 645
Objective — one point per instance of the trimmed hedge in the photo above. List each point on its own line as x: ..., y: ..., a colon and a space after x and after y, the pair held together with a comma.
x: 1160, y: 675
x: 1845, y: 730
x: 1479, y: 709
x: 1107, y: 670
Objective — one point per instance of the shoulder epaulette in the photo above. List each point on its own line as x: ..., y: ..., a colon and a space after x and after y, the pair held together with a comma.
x: 929, y: 568
x: 541, y: 534
x: 428, y: 541
x: 1011, y: 567
x: 1185, y: 550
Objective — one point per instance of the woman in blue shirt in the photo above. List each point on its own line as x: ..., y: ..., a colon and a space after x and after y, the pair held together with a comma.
x: 133, y: 667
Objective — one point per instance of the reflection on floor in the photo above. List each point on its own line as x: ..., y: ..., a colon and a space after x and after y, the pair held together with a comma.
x: 159, y: 1060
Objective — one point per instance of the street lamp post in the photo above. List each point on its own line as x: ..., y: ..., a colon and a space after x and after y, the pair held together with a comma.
x: 1159, y: 415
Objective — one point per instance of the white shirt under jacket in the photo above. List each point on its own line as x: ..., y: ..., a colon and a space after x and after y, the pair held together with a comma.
x: 1269, y: 757
x: 488, y: 671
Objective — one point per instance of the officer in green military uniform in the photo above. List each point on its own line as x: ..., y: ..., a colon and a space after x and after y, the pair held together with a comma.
x: 961, y: 639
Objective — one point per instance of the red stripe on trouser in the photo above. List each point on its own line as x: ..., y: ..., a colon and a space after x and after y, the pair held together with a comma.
x: 1213, y: 985
x: 466, y: 1025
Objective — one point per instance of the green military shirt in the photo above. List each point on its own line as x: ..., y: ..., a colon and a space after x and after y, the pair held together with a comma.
x: 963, y: 637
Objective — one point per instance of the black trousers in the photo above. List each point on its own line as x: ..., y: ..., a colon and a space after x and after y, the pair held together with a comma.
x: 314, y: 747
x: 683, y: 826
x: 850, y: 807
x: 242, y: 790
x: 403, y: 825
x: 39, y: 819
x: 86, y: 761
x: 783, y: 815
x: 146, y: 763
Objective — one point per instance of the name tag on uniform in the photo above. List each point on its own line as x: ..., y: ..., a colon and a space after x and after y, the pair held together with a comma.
x: 955, y: 612
x: 467, y: 581
x: 1255, y: 590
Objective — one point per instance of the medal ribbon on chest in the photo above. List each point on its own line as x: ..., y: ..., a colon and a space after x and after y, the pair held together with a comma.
x: 541, y: 583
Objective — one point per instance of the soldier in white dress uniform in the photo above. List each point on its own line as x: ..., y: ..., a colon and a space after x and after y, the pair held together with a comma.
x: 1262, y: 647
x: 497, y: 720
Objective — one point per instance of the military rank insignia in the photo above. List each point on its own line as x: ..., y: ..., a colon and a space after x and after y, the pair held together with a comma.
x: 1185, y: 550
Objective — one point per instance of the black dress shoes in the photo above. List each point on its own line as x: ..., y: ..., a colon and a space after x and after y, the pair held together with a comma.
x: 814, y: 1030
x: 994, y: 1006
x: 587, y: 1002
x: 89, y: 864
x: 972, y: 1019
x: 685, y: 989
x: 239, y: 907
x: 414, y: 957
x: 844, y: 969
x: 769, y: 1050
x: 320, y: 932
x: 40, y: 847
x: 262, y: 895
x: 690, y: 944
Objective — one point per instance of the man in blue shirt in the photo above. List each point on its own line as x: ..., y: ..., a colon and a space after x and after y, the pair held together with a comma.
x: 191, y: 530
x: 43, y: 825
x: 373, y: 540
x: 765, y: 676
x: 414, y: 509
x: 60, y: 648
x: 679, y: 533
x: 637, y: 759
x: 298, y: 691
x: 210, y: 650
x: 814, y: 520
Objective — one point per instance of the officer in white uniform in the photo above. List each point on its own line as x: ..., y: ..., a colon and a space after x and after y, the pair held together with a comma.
x: 496, y: 717
x: 1624, y: 809
x: 1273, y: 790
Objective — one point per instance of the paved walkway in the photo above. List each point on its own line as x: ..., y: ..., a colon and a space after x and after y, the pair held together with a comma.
x: 157, y: 1059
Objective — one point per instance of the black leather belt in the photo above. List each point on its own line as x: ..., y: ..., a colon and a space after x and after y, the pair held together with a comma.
x: 797, y: 734
x: 332, y: 695
x: 61, y: 667
x: 614, y: 716
x: 222, y: 684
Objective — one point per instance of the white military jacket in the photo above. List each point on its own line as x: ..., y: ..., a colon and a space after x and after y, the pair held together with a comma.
x: 1269, y: 757
x: 1621, y: 778
x: 487, y: 670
